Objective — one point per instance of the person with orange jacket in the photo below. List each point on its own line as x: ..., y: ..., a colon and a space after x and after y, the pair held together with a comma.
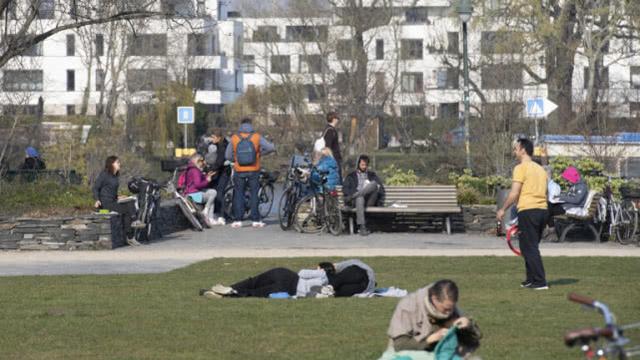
x: 244, y: 150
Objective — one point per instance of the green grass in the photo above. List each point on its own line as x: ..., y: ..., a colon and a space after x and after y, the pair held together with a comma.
x: 162, y: 317
x: 44, y: 198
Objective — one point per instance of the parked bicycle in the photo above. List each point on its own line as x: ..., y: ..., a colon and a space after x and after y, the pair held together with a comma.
x: 603, y: 343
x: 266, y: 194
x: 618, y: 217
x: 318, y: 211
x: 295, y: 187
x: 147, y: 201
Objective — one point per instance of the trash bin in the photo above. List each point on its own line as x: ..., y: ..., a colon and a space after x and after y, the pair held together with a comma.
x: 501, y: 198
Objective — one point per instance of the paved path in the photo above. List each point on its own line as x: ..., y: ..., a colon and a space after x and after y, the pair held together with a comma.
x: 182, y: 249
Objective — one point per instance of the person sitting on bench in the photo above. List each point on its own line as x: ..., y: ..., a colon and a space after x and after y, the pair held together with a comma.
x: 574, y: 197
x: 363, y: 188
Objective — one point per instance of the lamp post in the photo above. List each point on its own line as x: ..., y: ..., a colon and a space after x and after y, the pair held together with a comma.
x: 464, y: 11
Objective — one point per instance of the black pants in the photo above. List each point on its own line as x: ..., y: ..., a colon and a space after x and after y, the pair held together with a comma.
x: 220, y: 184
x: 351, y: 280
x: 531, y: 224
x: 270, y: 281
x: 127, y: 211
x: 554, y: 210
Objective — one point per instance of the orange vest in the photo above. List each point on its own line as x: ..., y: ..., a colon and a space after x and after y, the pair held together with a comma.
x: 255, y: 139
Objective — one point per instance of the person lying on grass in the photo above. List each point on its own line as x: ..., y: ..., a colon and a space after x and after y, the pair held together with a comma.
x: 277, y: 280
x: 424, y: 317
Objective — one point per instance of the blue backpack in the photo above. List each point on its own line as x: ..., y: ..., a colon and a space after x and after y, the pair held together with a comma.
x: 245, y: 151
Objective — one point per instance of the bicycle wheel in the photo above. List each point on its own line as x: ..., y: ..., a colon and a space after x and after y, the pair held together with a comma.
x: 306, y: 217
x: 286, y: 208
x: 627, y: 223
x: 265, y: 200
x: 333, y: 215
x: 188, y: 212
x: 227, y: 205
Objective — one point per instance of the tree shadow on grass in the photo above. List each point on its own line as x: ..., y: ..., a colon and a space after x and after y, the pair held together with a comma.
x: 562, y: 282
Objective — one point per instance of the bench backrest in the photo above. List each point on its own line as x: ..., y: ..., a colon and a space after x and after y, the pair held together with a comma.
x: 431, y: 196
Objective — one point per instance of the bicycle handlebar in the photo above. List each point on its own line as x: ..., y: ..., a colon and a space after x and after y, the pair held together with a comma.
x: 581, y: 299
x: 586, y: 335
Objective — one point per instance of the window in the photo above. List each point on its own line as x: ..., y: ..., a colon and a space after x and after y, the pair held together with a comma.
x: 237, y: 81
x: 280, y: 64
x: 99, y: 80
x: 342, y: 83
x: 34, y: 50
x: 45, y: 10
x: 344, y: 49
x: 379, y: 49
x: 411, y: 49
x: 266, y: 34
x: 492, y: 42
x: 416, y: 15
x: 449, y: 111
x: 453, y: 42
x: 311, y: 64
x: 601, y: 80
x: 71, y: 80
x: 635, y: 77
x: 447, y: 78
x: 315, y: 93
x: 502, y: 76
x: 248, y: 64
x: 71, y: 110
x: 201, y: 45
x: 307, y: 33
x: 202, y: 79
x: 25, y: 110
x: 71, y: 45
x: 146, y: 79
x: 22, y: 80
x: 411, y: 111
x: 412, y: 82
x: 201, y: 9
x: 99, y: 45
x: 182, y: 8
x: 148, y: 45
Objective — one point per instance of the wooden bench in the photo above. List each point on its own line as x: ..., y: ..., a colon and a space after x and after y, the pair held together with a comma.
x: 567, y: 222
x: 440, y: 200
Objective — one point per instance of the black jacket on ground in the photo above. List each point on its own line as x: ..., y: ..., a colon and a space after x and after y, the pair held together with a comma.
x: 350, y: 187
x: 105, y: 189
x: 331, y: 141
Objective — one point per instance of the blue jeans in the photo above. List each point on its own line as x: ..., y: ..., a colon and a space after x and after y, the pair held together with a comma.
x: 240, y: 184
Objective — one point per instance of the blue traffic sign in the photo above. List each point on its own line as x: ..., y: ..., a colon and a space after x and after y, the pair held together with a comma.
x: 539, y: 107
x: 186, y: 115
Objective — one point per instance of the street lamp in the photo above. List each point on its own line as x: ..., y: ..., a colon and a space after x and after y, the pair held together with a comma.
x: 464, y: 11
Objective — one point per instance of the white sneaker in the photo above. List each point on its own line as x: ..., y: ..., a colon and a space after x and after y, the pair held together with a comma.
x: 222, y: 290
x: 211, y: 295
x: 218, y: 221
x: 222, y: 221
x: 258, y: 224
x: 236, y: 224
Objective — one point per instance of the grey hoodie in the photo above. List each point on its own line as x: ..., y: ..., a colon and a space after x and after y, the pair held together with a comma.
x: 371, y: 286
x: 576, y: 196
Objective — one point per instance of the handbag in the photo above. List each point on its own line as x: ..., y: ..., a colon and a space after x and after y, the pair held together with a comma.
x: 320, y: 144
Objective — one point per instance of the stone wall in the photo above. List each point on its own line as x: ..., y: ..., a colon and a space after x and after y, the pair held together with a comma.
x: 479, y: 219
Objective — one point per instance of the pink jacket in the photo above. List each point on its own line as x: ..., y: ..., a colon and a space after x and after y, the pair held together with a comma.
x: 195, y: 180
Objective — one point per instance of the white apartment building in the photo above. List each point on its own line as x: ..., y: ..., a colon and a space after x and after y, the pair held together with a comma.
x: 87, y: 66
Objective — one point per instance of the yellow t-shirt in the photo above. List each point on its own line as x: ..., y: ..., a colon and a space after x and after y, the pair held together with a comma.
x: 533, y: 194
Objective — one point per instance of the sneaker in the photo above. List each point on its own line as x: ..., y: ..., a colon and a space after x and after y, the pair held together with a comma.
x: 526, y: 284
x: 539, y: 287
x: 258, y: 224
x: 138, y: 224
x: 202, y: 291
x: 218, y: 221
x: 236, y: 224
x: 363, y: 231
x: 327, y: 290
x: 222, y: 290
x: 207, y: 221
x: 133, y: 242
x: 212, y: 295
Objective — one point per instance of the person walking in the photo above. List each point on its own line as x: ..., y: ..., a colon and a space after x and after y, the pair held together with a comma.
x: 332, y: 140
x: 245, y: 150
x: 529, y: 190
x: 363, y: 188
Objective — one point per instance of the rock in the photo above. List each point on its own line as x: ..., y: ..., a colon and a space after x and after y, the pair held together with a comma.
x: 7, y: 226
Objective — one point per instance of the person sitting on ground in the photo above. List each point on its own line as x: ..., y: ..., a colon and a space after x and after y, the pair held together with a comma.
x: 363, y: 188
x: 325, y: 164
x: 277, y: 280
x: 196, y: 182
x: 105, y: 193
x: 352, y: 277
x: 32, y: 160
x: 574, y: 197
x: 423, y: 318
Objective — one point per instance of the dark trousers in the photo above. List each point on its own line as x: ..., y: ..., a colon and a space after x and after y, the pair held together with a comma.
x: 220, y: 184
x: 554, y: 210
x: 241, y: 180
x: 127, y: 211
x: 531, y: 224
x: 350, y: 281
x: 269, y: 282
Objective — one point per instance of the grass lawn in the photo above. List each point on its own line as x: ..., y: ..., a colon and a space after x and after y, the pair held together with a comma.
x: 162, y: 317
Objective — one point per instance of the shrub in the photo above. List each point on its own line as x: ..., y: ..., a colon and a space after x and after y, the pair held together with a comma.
x: 397, y: 177
x: 590, y: 169
x: 486, y: 186
x: 468, y: 195
x: 44, y: 198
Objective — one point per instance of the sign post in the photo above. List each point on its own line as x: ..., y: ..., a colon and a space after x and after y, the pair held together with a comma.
x: 537, y: 108
x: 186, y: 116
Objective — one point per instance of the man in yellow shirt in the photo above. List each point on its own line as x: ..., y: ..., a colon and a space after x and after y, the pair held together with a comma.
x: 529, y: 190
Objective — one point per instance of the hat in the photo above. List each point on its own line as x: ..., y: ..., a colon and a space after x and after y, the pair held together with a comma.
x: 571, y: 174
x: 32, y: 152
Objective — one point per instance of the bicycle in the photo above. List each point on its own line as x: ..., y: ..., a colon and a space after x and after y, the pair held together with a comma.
x: 266, y: 194
x: 621, y: 216
x: 295, y: 187
x: 615, y: 343
x: 147, y: 199
x: 187, y: 206
x: 318, y: 211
